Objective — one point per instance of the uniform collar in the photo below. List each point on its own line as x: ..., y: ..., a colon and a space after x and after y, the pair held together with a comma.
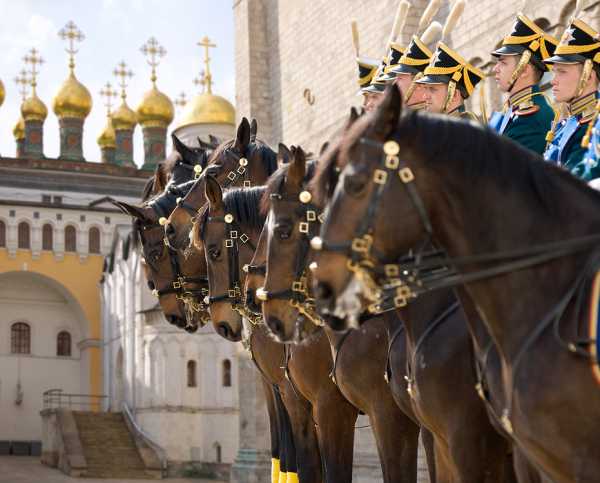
x: 584, y: 106
x: 523, y: 96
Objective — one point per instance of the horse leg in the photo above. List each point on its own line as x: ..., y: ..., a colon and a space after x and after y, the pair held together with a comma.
x: 304, y: 433
x: 274, y: 427
x: 335, y: 418
x: 397, y: 438
x: 427, y: 440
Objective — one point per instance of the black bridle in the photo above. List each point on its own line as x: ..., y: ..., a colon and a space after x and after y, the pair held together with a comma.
x: 235, y: 238
x: 298, y: 295
x: 163, y: 206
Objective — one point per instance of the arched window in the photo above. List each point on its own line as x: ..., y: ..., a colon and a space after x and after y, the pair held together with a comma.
x: 2, y: 234
x: 218, y: 452
x: 94, y: 240
x: 23, y: 240
x: 47, y: 237
x: 20, y: 338
x: 70, y: 239
x: 191, y: 374
x: 226, y: 373
x: 63, y: 344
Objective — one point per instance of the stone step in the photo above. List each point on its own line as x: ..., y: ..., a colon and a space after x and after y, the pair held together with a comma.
x: 108, y: 446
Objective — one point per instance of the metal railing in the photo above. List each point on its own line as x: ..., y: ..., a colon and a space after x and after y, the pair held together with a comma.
x: 56, y: 398
x: 159, y: 450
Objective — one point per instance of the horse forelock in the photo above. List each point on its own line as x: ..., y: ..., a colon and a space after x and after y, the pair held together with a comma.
x: 276, y: 180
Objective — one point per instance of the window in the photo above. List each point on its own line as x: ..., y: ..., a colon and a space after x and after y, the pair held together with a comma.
x: 23, y: 235
x: 20, y: 338
x: 226, y: 373
x: 70, y: 239
x: 2, y: 234
x: 94, y: 240
x: 47, y: 237
x: 191, y: 374
x: 63, y: 344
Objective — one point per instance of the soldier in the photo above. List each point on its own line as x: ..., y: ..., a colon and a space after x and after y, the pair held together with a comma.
x: 449, y: 80
x: 383, y: 76
x: 366, y: 72
x: 410, y: 69
x: 527, y: 115
x: 576, y: 70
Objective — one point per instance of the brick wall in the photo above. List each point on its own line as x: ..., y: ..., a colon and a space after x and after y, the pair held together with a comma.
x: 291, y: 51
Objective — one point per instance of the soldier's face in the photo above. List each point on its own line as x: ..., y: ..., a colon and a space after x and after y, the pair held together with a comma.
x: 435, y: 96
x: 403, y: 83
x: 503, y: 71
x: 370, y: 100
x: 565, y: 80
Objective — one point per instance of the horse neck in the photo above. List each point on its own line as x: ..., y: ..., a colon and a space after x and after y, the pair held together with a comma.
x: 480, y: 217
x: 420, y: 313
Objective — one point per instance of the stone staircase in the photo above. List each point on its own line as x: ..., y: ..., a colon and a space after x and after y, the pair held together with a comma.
x: 109, y: 448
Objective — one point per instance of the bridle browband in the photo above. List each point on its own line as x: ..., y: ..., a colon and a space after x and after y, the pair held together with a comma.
x: 298, y: 295
x: 233, y: 295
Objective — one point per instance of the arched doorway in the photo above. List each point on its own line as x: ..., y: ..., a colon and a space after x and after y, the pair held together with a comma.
x: 37, y: 315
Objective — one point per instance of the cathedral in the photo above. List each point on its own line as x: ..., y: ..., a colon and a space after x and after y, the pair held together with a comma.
x: 80, y: 329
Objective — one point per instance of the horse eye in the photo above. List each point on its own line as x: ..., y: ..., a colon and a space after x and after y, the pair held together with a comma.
x: 151, y: 285
x: 354, y: 184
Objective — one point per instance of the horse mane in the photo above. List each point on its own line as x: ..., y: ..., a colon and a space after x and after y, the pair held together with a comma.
x: 472, y: 150
x: 486, y: 154
x: 243, y: 204
x: 275, y: 182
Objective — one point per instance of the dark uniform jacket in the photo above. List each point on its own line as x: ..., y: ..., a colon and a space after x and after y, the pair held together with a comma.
x: 527, y: 119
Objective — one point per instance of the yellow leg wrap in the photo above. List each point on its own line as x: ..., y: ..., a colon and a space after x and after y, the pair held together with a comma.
x: 274, y: 470
x: 292, y: 478
x: 282, y: 477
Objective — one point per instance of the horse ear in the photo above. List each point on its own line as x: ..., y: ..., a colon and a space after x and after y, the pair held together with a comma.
x: 324, y: 148
x: 160, y: 178
x: 387, y: 113
x: 297, y: 169
x: 243, y: 136
x: 283, y: 155
x: 253, y: 130
x: 214, y: 141
x: 204, y: 145
x: 186, y: 153
x: 213, y: 192
x: 128, y: 209
x: 354, y: 115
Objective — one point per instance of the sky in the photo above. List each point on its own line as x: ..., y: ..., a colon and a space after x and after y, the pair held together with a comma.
x: 114, y: 30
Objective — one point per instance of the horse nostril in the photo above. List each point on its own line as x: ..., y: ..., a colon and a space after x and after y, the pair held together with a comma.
x: 276, y: 326
x: 323, y: 291
x: 223, y: 330
x: 335, y: 323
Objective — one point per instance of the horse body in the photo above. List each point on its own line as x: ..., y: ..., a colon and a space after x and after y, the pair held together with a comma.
x: 491, y: 197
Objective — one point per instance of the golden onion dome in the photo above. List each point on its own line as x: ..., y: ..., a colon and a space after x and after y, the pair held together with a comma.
x: 124, y: 118
x: 155, y: 110
x: 33, y: 109
x: 2, y: 92
x: 107, y: 138
x: 207, y: 108
x: 72, y: 100
x: 19, y: 129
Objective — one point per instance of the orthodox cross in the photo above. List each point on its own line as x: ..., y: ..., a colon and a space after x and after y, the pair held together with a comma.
x: 181, y: 100
x: 108, y: 93
x: 207, y: 77
x: 123, y: 74
x: 153, y: 52
x: 71, y: 34
x: 33, y: 59
x: 22, y: 82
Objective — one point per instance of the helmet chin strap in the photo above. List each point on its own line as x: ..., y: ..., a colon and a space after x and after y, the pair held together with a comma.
x: 523, y: 61
x: 413, y: 86
x: 449, y: 95
x: 588, y: 66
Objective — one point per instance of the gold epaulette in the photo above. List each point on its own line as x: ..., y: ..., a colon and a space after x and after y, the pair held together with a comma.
x: 588, y: 133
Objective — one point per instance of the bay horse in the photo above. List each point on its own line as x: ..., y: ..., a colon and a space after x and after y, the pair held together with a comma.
x: 358, y: 358
x: 519, y: 235
x: 228, y: 229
